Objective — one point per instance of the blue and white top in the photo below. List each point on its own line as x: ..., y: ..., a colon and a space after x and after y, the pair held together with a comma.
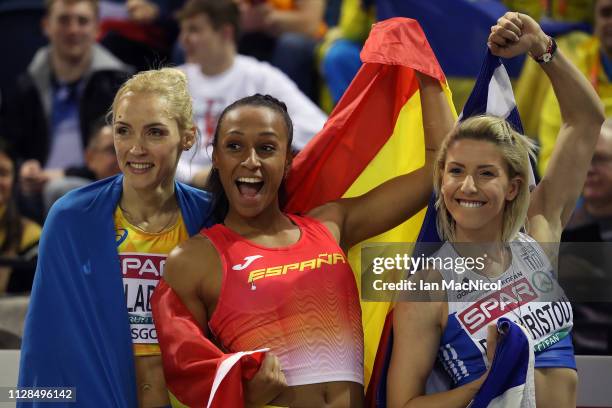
x: 530, y: 296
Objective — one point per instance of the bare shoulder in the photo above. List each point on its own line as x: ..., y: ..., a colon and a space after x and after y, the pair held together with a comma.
x: 331, y: 215
x: 191, y: 261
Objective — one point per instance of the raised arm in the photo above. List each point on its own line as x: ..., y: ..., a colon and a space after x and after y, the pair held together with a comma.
x: 398, y: 199
x: 582, y: 115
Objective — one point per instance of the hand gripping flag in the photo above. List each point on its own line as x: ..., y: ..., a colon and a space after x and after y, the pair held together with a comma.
x: 197, y: 373
x: 375, y: 133
x: 510, y: 382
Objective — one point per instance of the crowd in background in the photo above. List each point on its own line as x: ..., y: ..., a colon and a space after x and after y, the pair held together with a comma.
x: 65, y: 59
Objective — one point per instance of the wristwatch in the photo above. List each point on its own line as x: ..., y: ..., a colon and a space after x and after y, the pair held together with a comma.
x: 548, y: 55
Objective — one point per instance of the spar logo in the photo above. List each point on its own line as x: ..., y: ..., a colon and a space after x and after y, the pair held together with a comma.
x: 142, y: 266
x: 493, y: 306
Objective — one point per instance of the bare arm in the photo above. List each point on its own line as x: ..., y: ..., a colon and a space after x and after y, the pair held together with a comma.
x: 398, y: 199
x: 582, y: 114
x: 416, y: 337
x: 197, y: 287
x: 193, y: 270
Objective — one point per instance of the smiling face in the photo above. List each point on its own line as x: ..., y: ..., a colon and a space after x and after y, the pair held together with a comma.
x: 476, y: 186
x: 251, y: 156
x: 148, y: 141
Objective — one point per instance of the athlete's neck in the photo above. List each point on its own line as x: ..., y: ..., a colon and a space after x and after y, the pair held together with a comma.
x: 485, y: 235
x: 269, y: 222
x: 144, y: 204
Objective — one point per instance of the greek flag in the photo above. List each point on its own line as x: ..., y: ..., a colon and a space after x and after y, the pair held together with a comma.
x: 492, y: 95
x: 510, y: 382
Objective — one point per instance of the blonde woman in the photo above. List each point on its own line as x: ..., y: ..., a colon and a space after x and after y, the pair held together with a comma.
x: 481, y: 178
x: 103, y: 251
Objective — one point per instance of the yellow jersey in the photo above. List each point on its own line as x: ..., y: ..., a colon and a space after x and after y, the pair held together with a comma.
x: 143, y: 257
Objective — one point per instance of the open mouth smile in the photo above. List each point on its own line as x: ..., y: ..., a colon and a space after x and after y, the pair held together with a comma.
x: 249, y: 187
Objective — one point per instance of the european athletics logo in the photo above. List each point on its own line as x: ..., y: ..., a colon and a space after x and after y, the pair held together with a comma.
x: 121, y: 235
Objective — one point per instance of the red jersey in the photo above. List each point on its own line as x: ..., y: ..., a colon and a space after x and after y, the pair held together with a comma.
x: 301, y: 301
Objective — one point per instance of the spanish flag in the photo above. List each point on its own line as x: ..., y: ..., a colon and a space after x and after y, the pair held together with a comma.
x: 374, y: 134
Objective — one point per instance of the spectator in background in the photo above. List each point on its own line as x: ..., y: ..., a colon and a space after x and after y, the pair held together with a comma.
x: 18, y: 235
x: 100, y: 163
x: 68, y: 85
x: 143, y: 11
x: 340, y: 50
x: 141, y: 33
x: 592, y: 222
x: 217, y: 76
x: 284, y: 33
x: 570, y: 22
